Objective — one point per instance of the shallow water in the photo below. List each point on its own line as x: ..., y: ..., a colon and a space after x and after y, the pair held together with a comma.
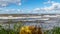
x: 48, y: 24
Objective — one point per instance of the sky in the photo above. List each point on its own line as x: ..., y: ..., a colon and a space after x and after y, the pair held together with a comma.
x: 10, y: 6
x: 40, y: 6
x: 30, y: 6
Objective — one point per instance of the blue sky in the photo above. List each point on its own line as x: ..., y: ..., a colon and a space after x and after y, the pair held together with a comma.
x: 10, y: 6
x: 40, y: 6
x: 29, y: 6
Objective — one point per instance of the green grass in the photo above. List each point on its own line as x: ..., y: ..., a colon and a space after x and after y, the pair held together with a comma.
x: 55, y: 30
x: 15, y: 29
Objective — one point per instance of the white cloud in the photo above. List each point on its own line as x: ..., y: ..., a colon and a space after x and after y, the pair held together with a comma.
x: 7, y: 2
x: 49, y: 2
x: 37, y: 9
x: 10, y: 11
x: 55, y: 6
x: 19, y: 3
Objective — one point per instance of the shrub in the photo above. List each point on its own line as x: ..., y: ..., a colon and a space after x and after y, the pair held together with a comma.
x: 30, y: 30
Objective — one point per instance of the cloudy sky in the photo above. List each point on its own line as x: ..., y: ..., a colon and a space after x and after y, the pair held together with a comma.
x: 29, y: 6
x: 10, y: 6
x: 40, y: 6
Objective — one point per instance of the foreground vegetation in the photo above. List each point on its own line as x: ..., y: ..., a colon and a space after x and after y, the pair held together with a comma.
x: 18, y: 29
x: 15, y: 29
x: 30, y: 30
x: 55, y: 30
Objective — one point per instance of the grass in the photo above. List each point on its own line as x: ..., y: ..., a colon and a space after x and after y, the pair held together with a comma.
x: 55, y: 30
x: 15, y: 29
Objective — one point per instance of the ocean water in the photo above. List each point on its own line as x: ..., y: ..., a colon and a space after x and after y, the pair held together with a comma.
x: 48, y: 24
